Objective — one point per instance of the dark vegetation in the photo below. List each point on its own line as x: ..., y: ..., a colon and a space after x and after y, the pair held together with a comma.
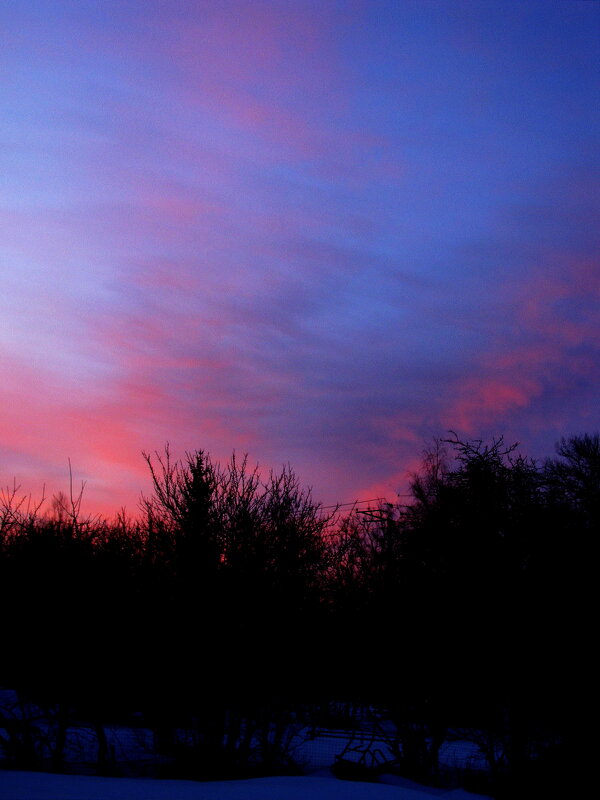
x: 235, y: 608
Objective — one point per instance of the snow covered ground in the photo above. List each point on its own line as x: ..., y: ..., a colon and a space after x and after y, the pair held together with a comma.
x: 41, y: 786
x: 316, y: 753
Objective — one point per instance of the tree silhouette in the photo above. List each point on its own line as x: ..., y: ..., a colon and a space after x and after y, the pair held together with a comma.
x: 575, y: 475
x: 236, y: 602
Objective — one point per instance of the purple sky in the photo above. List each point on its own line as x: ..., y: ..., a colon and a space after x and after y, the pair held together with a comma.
x: 319, y: 232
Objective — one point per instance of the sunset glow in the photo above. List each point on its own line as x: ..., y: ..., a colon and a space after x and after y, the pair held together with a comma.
x: 317, y: 232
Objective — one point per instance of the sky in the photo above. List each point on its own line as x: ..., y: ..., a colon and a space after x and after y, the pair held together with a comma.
x: 321, y: 233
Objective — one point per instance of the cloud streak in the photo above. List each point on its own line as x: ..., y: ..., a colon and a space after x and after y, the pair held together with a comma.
x: 321, y: 235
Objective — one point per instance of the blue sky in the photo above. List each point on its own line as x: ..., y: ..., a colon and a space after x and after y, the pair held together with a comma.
x: 321, y: 233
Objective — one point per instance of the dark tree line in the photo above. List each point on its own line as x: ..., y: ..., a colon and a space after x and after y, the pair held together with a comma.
x: 234, y: 604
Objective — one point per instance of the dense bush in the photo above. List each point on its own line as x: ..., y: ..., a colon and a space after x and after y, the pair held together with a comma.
x: 235, y: 603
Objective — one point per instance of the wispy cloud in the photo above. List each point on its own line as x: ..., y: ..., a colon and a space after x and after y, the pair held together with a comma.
x: 319, y: 234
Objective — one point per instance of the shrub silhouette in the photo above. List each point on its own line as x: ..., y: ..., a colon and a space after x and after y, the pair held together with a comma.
x: 236, y: 604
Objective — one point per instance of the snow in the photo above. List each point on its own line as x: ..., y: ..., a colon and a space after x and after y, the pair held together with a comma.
x: 41, y: 786
x: 315, y: 751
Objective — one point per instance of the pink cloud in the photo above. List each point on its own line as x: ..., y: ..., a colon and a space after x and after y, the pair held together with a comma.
x: 551, y: 343
x: 47, y: 430
x: 482, y: 400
